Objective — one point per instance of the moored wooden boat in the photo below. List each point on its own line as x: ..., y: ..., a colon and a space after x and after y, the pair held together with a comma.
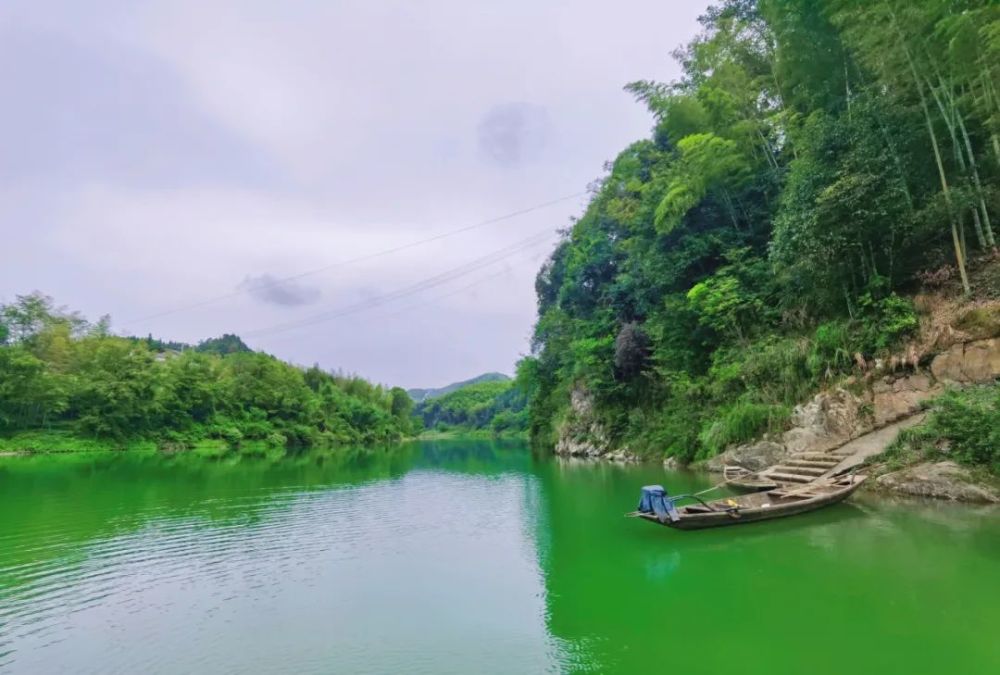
x: 744, y: 479
x: 750, y: 508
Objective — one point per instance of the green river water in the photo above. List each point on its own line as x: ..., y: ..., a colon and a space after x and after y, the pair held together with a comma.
x: 468, y: 557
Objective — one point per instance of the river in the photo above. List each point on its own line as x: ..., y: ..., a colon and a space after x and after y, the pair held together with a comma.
x: 467, y: 557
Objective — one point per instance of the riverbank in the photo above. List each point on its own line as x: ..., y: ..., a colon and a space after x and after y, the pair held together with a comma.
x: 476, y: 434
x: 949, y: 369
x: 57, y: 442
x: 29, y: 443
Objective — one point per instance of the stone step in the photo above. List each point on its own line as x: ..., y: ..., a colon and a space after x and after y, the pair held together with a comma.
x: 816, y: 457
x: 801, y: 470
x: 788, y: 477
x: 813, y: 463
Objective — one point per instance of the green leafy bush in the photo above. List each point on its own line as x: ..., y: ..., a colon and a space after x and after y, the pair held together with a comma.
x: 739, y: 423
x: 887, y: 321
x: 963, y: 425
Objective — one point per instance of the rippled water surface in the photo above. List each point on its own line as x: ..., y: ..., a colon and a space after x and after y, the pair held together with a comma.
x: 467, y: 557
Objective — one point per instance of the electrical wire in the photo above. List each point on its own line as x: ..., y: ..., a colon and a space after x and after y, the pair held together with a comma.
x: 351, y: 261
x: 424, y: 284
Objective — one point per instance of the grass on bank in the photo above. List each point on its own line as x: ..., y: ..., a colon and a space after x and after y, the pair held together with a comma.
x: 963, y: 426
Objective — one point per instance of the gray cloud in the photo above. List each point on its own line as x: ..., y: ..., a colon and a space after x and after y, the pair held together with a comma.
x: 271, y: 290
x: 513, y: 134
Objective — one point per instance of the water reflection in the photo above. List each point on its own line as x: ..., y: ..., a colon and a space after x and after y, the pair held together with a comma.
x: 463, y: 557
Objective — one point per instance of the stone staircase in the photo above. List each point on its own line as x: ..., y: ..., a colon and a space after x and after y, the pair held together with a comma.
x: 812, y: 465
x: 805, y: 467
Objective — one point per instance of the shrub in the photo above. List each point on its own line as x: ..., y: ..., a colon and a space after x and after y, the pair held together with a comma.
x: 232, y: 436
x: 963, y: 426
x: 631, y: 351
x: 831, y: 349
x: 740, y: 423
x: 887, y: 320
x: 970, y: 422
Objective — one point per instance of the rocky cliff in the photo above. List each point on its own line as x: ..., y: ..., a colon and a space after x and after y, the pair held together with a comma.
x: 954, y: 349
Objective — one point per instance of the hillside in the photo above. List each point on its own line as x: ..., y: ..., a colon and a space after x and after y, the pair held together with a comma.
x: 419, y: 395
x: 816, y: 166
x: 62, y: 375
x: 494, y: 405
x: 225, y: 344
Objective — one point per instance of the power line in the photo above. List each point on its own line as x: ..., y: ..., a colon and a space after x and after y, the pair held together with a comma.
x: 478, y: 282
x: 352, y: 261
x: 457, y: 291
x: 424, y: 284
x: 443, y: 296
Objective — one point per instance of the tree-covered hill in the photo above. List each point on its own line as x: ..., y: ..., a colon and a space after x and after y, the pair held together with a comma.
x: 815, y: 162
x: 420, y: 395
x: 496, y: 405
x: 59, y: 372
x: 225, y: 344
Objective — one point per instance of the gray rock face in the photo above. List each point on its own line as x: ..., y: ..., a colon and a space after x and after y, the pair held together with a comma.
x: 621, y: 455
x: 671, y: 464
x: 752, y: 456
x: 941, y: 480
x: 829, y: 419
x: 582, y: 435
x: 894, y: 399
x: 969, y: 362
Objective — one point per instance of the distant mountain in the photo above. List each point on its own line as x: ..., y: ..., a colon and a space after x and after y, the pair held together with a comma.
x: 490, y: 402
x: 419, y: 395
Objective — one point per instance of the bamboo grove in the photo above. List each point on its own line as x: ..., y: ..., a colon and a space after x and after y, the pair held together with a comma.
x: 814, y: 162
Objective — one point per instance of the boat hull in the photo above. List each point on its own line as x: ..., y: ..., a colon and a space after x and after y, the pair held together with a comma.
x: 761, y: 506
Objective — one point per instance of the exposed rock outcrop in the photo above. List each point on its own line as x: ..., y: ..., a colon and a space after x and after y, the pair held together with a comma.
x: 829, y: 419
x: 968, y: 362
x: 672, y: 464
x: 893, y: 399
x: 582, y: 435
x: 752, y: 456
x: 941, y: 480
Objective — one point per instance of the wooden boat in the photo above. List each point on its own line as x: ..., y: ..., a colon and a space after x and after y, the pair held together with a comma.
x: 750, y: 508
x: 744, y: 479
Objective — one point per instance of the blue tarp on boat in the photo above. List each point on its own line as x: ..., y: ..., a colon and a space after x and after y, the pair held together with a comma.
x: 655, y: 500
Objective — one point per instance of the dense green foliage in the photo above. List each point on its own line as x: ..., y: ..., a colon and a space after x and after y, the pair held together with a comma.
x: 419, y: 395
x: 494, y: 405
x: 963, y: 426
x: 227, y: 344
x: 812, y: 160
x: 58, y: 371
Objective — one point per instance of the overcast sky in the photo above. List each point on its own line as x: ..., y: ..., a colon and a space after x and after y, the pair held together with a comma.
x: 157, y: 155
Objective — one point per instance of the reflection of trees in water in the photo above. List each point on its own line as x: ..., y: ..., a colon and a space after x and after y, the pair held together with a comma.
x: 473, y: 456
x: 82, y: 497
